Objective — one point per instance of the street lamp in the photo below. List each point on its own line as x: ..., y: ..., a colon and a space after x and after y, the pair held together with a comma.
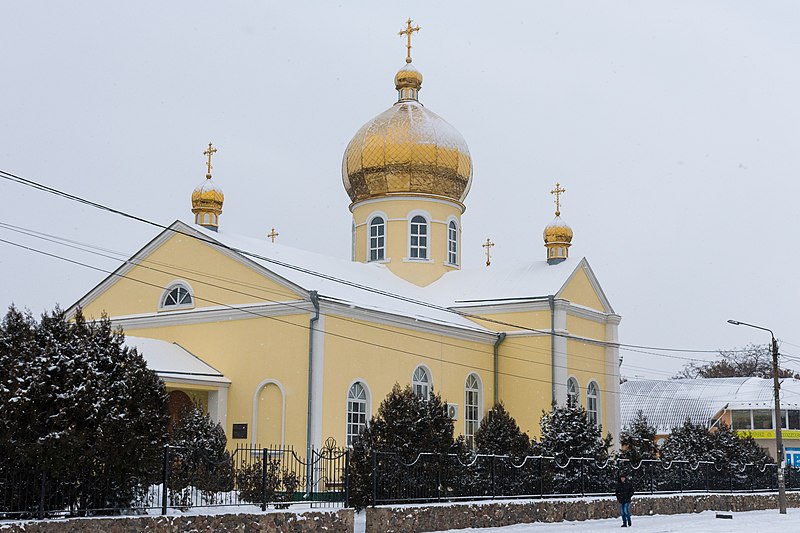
x: 778, y: 429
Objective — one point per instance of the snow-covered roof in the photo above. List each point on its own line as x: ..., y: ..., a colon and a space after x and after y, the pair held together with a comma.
x: 172, y: 362
x: 521, y: 281
x: 667, y: 403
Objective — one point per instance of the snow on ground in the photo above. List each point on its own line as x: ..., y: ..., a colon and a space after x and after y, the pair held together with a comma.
x: 705, y: 522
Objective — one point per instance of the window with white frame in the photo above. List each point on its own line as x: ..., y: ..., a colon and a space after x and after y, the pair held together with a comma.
x: 356, y: 412
x: 418, y: 245
x: 452, y: 243
x: 421, y: 382
x: 572, y: 392
x: 177, y: 296
x: 592, y: 403
x: 472, y: 419
x: 377, y: 239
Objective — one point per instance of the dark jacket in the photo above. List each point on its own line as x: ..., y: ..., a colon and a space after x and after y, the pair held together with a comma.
x: 624, y: 490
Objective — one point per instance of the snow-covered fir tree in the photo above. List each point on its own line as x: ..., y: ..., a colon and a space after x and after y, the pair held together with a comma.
x: 405, y: 426
x: 78, y: 407
x: 638, y: 440
x: 499, y: 434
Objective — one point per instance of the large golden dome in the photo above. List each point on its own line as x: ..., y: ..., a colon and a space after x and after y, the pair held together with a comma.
x: 407, y: 149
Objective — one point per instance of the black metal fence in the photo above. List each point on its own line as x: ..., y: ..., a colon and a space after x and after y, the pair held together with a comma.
x: 433, y: 477
x: 280, y: 477
x: 249, y: 475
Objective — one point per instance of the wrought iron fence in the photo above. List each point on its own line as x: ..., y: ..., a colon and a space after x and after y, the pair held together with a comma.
x: 249, y: 475
x: 433, y: 477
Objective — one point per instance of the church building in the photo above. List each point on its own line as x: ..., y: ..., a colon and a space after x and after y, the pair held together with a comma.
x: 288, y: 347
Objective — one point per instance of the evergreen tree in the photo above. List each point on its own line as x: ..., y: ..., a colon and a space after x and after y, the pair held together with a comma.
x: 499, y: 434
x: 689, y: 442
x: 199, y: 456
x: 78, y: 407
x: 405, y: 426
x: 579, y: 449
x: 637, y: 440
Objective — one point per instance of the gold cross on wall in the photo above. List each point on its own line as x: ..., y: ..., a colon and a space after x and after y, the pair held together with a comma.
x: 408, y: 31
x: 488, y: 245
x: 209, y: 152
x: 273, y: 234
x: 558, y: 191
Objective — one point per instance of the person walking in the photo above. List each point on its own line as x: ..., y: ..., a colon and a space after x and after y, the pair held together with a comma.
x: 624, y: 494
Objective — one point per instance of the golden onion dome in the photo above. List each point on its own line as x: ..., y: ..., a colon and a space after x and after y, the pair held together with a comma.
x: 557, y: 232
x: 207, y: 196
x: 407, y: 150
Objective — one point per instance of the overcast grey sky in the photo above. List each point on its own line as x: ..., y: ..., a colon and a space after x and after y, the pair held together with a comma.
x: 673, y: 126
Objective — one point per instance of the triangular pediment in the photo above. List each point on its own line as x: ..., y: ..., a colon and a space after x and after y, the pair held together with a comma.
x: 582, y: 288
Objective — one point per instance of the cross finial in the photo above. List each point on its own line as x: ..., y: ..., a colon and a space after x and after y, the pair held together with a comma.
x: 408, y: 31
x: 488, y: 245
x: 209, y: 152
x: 272, y: 234
x: 558, y: 191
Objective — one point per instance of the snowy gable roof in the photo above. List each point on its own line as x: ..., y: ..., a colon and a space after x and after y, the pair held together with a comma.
x: 532, y: 279
x: 667, y: 403
x: 172, y: 362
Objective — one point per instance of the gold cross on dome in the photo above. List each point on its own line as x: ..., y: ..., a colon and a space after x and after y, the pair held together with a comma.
x: 408, y: 31
x: 488, y: 245
x: 273, y: 234
x: 558, y: 191
x: 209, y: 152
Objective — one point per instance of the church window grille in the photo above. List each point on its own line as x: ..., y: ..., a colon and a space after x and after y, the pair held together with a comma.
x: 421, y: 382
x: 356, y: 412
x: 452, y: 243
x: 472, y: 419
x: 572, y: 391
x: 377, y: 239
x: 177, y: 296
x: 592, y: 401
x: 419, y: 238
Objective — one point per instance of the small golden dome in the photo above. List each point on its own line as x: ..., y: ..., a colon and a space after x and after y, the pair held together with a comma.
x: 557, y: 232
x: 407, y: 150
x: 207, y: 196
x: 408, y: 76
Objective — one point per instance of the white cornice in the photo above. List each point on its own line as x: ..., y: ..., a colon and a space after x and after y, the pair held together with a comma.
x: 516, y: 306
x: 205, y: 315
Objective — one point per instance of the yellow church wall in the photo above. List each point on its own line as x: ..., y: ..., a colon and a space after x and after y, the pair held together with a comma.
x: 398, y: 212
x: 579, y: 290
x: 248, y: 352
x: 584, y: 327
x: 538, y: 320
x: 214, y: 278
x: 389, y: 355
x: 586, y: 362
x: 525, y: 379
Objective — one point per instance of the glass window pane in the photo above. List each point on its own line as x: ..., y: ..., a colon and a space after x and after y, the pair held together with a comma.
x: 762, y: 419
x: 794, y: 419
x: 740, y: 419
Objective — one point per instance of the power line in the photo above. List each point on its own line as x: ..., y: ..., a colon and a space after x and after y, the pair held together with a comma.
x: 624, y: 346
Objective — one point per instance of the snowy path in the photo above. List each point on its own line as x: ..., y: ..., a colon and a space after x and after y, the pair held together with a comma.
x: 705, y: 522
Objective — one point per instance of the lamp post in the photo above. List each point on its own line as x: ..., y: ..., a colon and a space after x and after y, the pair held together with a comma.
x: 778, y: 429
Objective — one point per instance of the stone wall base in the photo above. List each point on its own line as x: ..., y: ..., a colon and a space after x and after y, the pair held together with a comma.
x: 332, y: 522
x: 439, y: 517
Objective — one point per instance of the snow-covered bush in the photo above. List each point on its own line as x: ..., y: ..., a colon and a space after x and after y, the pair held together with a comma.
x: 80, y: 413
x: 638, y: 440
x: 199, y: 455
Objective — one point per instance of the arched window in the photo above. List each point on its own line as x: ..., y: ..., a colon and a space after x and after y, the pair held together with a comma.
x: 452, y: 243
x: 177, y: 296
x: 572, y: 392
x: 356, y: 412
x: 419, y: 238
x: 377, y: 239
x: 472, y: 409
x: 592, y: 403
x: 421, y: 382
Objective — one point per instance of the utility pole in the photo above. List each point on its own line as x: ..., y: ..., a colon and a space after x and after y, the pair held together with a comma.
x: 776, y: 386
